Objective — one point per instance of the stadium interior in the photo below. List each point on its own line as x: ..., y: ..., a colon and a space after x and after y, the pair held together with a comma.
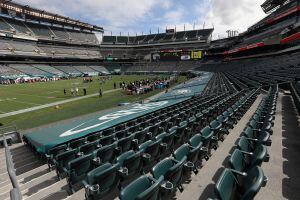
x: 220, y: 123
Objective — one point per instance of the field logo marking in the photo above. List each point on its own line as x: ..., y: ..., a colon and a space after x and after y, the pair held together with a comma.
x: 112, y: 116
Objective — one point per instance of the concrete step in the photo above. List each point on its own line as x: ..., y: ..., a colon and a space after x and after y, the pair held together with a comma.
x: 29, y: 166
x: 55, y: 191
x: 32, y: 186
x: 32, y: 174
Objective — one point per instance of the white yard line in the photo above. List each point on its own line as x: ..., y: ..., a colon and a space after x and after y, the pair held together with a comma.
x: 24, y: 102
x: 52, y: 104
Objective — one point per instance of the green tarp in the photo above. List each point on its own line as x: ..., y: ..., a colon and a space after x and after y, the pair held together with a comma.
x: 44, y: 139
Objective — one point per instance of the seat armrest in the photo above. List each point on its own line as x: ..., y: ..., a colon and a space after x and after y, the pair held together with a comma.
x: 247, y: 153
x: 244, y: 174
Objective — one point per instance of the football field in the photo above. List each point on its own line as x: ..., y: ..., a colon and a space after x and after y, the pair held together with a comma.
x: 26, y: 96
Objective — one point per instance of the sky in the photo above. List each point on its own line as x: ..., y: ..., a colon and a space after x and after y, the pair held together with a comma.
x: 142, y: 16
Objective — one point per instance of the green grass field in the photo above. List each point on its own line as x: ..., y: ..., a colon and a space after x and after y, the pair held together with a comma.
x: 16, y: 97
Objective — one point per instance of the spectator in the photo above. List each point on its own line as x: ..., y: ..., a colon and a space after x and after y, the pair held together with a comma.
x: 72, y: 91
x: 76, y: 90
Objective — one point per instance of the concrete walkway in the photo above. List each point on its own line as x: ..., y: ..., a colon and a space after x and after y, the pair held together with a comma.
x: 283, y: 168
x: 53, y: 104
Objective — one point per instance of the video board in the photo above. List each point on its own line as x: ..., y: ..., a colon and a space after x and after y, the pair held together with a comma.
x: 177, y: 55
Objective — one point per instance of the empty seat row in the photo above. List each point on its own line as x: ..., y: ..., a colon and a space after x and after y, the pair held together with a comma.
x: 244, y: 177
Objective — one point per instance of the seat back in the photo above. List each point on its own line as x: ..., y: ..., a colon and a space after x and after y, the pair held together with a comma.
x: 196, y: 141
x: 106, y: 154
x: 81, y: 165
x: 252, y: 183
x: 152, y: 193
x: 106, y: 140
x: 120, y: 134
x: 108, y: 132
x: 237, y: 161
x: 142, y: 188
x: 125, y: 144
x: 140, y: 136
x: 77, y: 143
x: 249, y: 132
x: 57, y: 150
x: 167, y: 138
x: 226, y: 186
x: 174, y: 174
x: 244, y: 144
x: 88, y: 148
x: 259, y: 155
x: 182, y: 152
x: 161, y: 168
x: 207, y: 133
x: 64, y: 158
x: 105, y: 175
x: 153, y: 149
x: 93, y: 137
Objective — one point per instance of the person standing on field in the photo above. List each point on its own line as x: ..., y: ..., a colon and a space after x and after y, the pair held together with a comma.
x: 100, y: 93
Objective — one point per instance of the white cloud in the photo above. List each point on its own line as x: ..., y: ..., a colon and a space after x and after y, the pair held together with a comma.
x: 132, y: 15
x: 233, y: 15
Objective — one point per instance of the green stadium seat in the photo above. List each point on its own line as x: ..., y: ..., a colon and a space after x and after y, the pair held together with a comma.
x: 209, y: 139
x: 183, y: 131
x: 131, y: 164
x: 258, y: 136
x: 53, y: 152
x: 89, y: 147
x: 102, y: 181
x: 106, y: 154
x: 121, y: 134
x: 218, y: 130
x: 77, y: 169
x: 171, y: 170
x: 143, y: 188
x: 197, y: 143
x: 93, y: 137
x: 142, y: 136
x: 247, y: 145
x: 76, y: 143
x: 61, y: 161
x: 190, y: 154
x: 154, y: 129
x: 151, y: 153
x: 244, y: 161
x: 120, y: 127
x: 108, y: 132
x: 225, y: 122
x: 262, y: 126
x: 107, y: 140
x: 229, y: 188
x: 125, y: 144
x: 167, y: 141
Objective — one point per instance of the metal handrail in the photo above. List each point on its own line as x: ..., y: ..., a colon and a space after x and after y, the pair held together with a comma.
x: 15, y: 193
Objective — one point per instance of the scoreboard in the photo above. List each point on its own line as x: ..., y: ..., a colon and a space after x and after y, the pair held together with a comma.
x: 177, y: 55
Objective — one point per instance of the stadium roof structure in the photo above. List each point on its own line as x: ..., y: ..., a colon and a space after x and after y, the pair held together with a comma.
x: 27, y: 12
x: 270, y: 5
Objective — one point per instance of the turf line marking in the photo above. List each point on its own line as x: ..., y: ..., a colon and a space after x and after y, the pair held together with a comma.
x: 24, y: 102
